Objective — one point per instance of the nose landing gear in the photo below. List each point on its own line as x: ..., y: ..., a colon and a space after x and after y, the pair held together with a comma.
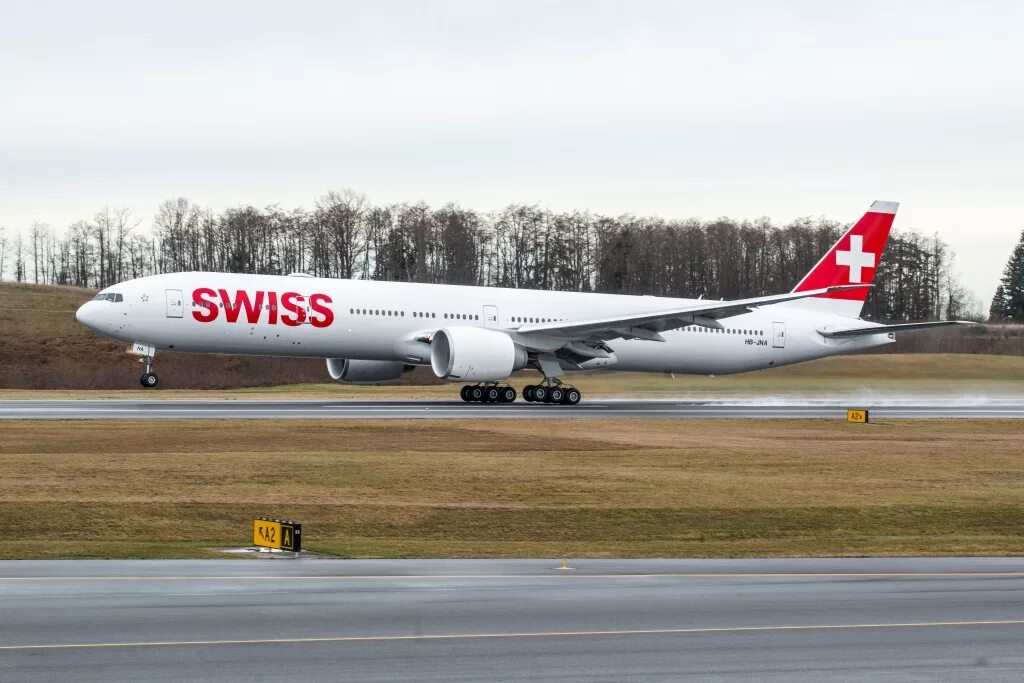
x: 149, y: 380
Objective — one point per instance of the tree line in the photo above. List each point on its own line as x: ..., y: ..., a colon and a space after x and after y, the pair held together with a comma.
x: 521, y: 246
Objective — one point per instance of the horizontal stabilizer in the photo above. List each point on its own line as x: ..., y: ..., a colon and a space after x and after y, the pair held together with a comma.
x: 883, y: 329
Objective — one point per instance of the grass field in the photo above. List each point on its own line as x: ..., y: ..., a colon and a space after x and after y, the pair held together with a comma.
x: 514, y: 488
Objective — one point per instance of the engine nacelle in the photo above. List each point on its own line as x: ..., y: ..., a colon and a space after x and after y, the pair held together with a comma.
x: 472, y: 354
x: 365, y: 371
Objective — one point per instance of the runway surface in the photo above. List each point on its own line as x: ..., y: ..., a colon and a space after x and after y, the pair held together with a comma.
x: 933, y: 619
x: 423, y: 409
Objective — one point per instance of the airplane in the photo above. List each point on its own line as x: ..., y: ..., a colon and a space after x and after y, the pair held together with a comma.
x: 371, y: 332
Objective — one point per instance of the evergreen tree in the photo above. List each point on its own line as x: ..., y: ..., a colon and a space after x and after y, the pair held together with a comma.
x: 997, y: 311
x: 1012, y: 287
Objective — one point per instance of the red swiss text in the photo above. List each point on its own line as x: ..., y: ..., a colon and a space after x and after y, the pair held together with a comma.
x: 290, y: 308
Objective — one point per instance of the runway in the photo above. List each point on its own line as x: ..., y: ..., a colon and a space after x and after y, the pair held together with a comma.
x: 431, y: 409
x: 471, y: 620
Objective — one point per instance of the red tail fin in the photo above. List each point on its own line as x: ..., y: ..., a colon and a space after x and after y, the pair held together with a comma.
x: 852, y: 260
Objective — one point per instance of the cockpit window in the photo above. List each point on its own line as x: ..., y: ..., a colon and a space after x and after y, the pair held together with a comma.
x: 118, y: 298
x: 108, y: 296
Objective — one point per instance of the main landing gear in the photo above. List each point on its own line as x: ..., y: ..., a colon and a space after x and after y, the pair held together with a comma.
x: 534, y: 393
x: 487, y: 393
x: 149, y: 380
x: 551, y: 390
x: 552, y: 393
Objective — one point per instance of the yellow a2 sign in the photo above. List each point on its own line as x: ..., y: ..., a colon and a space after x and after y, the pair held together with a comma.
x: 859, y: 416
x: 277, y: 533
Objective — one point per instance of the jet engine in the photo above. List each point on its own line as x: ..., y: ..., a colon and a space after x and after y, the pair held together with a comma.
x: 365, y: 371
x: 472, y: 354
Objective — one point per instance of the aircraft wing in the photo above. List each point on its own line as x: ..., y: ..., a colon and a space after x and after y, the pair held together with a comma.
x: 882, y: 329
x: 648, y: 325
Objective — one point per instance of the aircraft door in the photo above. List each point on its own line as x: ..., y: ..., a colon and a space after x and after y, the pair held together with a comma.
x: 175, y: 305
x: 491, y: 316
x: 779, y: 335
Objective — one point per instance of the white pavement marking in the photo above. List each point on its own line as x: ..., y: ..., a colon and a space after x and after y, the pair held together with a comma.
x: 557, y: 576
x: 532, y: 634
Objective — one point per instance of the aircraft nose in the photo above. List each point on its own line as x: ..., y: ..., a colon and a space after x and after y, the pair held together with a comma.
x: 87, y: 314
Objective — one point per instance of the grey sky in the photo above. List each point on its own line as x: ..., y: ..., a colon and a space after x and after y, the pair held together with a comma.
x: 673, y: 109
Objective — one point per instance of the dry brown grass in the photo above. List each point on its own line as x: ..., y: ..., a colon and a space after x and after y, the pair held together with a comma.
x: 514, y: 488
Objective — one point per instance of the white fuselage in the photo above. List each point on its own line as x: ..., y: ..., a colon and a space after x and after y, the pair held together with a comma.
x: 393, y: 321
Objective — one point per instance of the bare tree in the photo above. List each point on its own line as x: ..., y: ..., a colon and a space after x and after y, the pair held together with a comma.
x: 37, y: 234
x: 339, y: 233
x: 19, y: 259
x: 3, y: 250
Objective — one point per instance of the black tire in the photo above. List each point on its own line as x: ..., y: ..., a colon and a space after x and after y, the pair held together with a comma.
x: 572, y: 396
x: 149, y: 380
x: 508, y: 394
x: 555, y: 395
x: 464, y: 393
x: 528, y: 393
x: 540, y: 394
x: 476, y: 393
x: 491, y: 395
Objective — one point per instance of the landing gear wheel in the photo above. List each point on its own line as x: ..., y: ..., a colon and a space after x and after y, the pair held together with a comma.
x: 507, y: 394
x: 149, y: 380
x: 528, y: 393
x: 491, y: 395
x: 555, y: 395
x: 540, y: 394
x: 572, y: 396
x: 476, y: 393
x: 464, y: 393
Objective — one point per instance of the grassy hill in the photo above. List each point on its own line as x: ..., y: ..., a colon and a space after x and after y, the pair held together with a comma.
x: 43, y: 347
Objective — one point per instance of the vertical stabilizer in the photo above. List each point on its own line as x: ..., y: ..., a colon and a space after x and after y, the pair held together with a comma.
x: 852, y: 260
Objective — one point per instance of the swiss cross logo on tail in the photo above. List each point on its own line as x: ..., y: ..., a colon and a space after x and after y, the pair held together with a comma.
x: 856, y: 258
